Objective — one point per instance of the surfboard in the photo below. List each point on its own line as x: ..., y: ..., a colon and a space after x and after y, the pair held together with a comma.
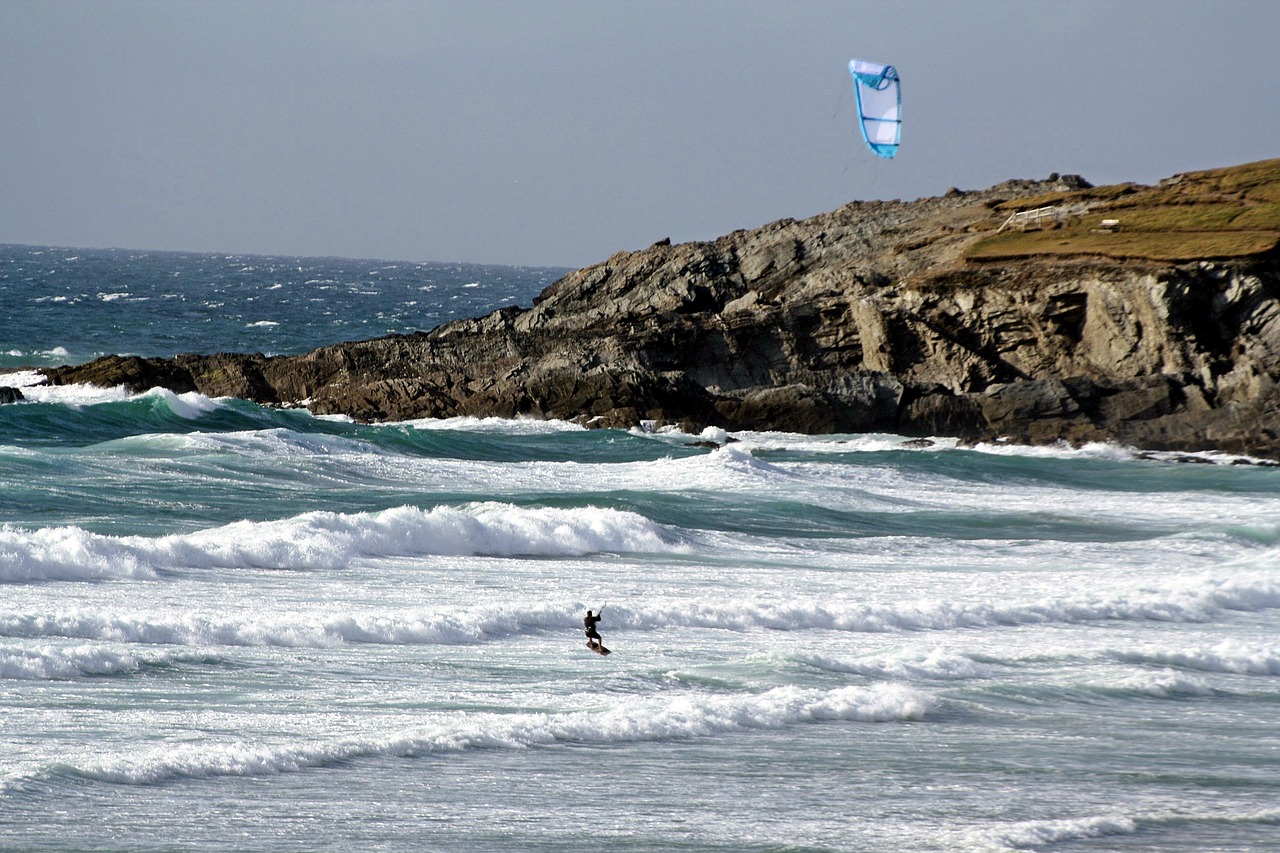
x: 600, y: 649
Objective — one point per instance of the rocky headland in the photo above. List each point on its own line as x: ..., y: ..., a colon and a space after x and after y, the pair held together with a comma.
x: 1035, y: 311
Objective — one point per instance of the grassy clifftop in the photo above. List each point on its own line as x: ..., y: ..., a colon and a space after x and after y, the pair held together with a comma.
x: 1219, y: 213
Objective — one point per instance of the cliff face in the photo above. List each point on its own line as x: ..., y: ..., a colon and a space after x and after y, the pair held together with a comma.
x: 868, y: 318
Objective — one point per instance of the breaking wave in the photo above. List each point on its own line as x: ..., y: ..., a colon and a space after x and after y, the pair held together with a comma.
x: 329, y: 540
x: 1196, y: 602
x: 50, y: 662
x: 630, y: 722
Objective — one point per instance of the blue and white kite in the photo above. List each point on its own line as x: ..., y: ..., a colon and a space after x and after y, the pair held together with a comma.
x: 879, y: 105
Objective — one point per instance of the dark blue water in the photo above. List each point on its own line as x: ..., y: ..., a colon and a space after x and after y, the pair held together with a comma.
x: 78, y: 304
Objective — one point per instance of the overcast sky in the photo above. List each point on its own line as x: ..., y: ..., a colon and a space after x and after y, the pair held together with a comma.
x: 556, y: 133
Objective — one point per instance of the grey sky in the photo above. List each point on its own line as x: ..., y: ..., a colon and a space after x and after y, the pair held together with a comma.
x: 556, y: 133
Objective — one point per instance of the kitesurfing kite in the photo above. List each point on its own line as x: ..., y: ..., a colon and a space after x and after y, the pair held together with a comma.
x: 879, y: 105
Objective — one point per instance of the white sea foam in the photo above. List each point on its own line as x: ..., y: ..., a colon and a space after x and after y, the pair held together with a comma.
x: 22, y: 378
x: 500, y: 426
x: 1198, y: 598
x: 1229, y: 656
x: 840, y: 443
x: 1041, y: 834
x: 451, y: 625
x: 1164, y: 684
x: 328, y: 540
x: 261, y: 324
x: 1028, y: 835
x: 1112, y: 453
x: 190, y: 405
x: 75, y: 395
x: 634, y: 721
x: 878, y: 442
x: 292, y: 629
x: 725, y: 469
x: 67, y: 553
x: 48, y: 662
x: 8, y: 379
x: 935, y: 664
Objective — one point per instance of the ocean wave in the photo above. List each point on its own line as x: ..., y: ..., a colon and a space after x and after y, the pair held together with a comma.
x: 501, y: 426
x: 659, y: 719
x: 189, y: 405
x: 1037, y: 834
x: 1165, y: 684
x: 51, y: 662
x: 1193, y: 599
x: 1230, y: 657
x: 474, y: 625
x: 330, y: 540
x: 1261, y: 534
x: 322, y: 628
x: 757, y: 441
x: 936, y: 664
x: 21, y: 378
x: 293, y: 629
x: 263, y: 443
x: 12, y: 379
x: 725, y: 469
x: 744, y: 463
x: 67, y: 553
x: 1165, y: 679
x: 75, y: 395
x: 887, y: 442
x: 1032, y: 834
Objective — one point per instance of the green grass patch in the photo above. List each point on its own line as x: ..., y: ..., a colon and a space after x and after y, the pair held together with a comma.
x: 1259, y: 216
x: 1267, y: 194
x: 1158, y: 246
x: 1217, y: 213
x: 1239, y: 178
x: 1182, y: 217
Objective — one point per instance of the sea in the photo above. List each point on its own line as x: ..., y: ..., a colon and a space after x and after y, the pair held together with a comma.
x: 225, y: 627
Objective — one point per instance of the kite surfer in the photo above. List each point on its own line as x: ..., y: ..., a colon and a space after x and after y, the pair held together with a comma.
x: 589, y: 627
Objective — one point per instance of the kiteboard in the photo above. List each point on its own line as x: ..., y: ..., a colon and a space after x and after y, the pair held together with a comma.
x: 598, y: 649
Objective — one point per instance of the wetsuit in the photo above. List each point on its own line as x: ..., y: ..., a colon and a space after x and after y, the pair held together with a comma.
x: 589, y: 627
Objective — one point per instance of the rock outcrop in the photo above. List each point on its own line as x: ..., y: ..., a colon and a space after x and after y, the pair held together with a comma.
x: 867, y: 318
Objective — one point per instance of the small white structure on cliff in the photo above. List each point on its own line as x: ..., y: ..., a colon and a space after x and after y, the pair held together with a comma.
x: 1033, y: 220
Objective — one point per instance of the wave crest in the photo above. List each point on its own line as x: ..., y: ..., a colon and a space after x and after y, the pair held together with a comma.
x: 329, y: 540
x: 48, y: 662
x: 631, y: 722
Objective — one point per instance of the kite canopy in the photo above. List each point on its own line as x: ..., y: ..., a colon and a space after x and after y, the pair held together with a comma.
x: 879, y: 105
